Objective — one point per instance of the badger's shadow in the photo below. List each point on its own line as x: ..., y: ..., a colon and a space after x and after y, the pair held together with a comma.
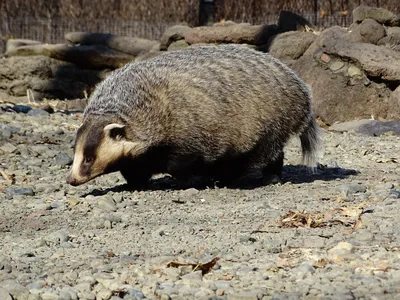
x: 296, y: 174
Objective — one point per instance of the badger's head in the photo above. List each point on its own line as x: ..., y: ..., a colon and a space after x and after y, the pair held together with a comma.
x: 99, y: 147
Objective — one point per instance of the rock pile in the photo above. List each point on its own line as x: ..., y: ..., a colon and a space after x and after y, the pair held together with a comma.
x: 65, y: 71
x: 354, y: 72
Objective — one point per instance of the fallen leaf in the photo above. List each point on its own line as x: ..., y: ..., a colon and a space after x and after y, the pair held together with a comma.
x: 226, y: 277
x: 385, y: 160
x: 109, y: 254
x: 8, y: 177
x: 375, y: 266
x: 340, y: 200
x: 358, y: 223
x: 286, y: 262
x: 47, y: 140
x: 291, y: 258
x: 205, y: 268
x: 393, y: 248
x: 322, y: 123
x: 322, y: 263
x: 73, y: 202
x: 382, y: 267
x: 348, y: 216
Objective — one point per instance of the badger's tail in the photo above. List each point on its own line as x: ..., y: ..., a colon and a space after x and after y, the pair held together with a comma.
x: 311, y: 143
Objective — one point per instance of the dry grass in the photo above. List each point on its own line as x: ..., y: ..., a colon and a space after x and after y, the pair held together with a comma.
x: 347, y: 216
x: 178, y: 10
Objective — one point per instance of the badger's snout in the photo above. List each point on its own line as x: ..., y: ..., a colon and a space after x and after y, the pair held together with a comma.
x: 72, y: 180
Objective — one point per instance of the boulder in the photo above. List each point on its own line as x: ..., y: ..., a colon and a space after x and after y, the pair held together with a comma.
x: 15, y: 43
x: 173, y: 34
x: 239, y: 34
x: 289, y: 21
x: 334, y: 32
x: 290, y: 45
x: 348, y: 126
x: 46, y: 77
x: 129, y: 45
x: 6, y: 98
x: 395, y: 104
x: 379, y: 14
x: 377, y: 128
x: 368, y: 127
x: 392, y: 40
x: 225, y: 23
x: 369, y: 31
x: 178, y: 45
x: 341, y: 90
x: 93, y: 56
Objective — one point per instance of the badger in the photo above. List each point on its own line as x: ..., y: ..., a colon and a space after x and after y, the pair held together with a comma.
x: 213, y: 111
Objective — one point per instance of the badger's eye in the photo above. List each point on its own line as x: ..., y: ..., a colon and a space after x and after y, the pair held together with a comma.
x: 88, y: 160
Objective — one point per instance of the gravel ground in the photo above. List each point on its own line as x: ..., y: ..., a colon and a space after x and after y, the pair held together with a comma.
x: 101, y: 241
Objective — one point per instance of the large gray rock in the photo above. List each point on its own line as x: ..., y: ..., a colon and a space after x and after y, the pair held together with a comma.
x: 379, y: 14
x: 173, y: 34
x: 290, y: 45
x: 377, y: 128
x: 6, y: 98
x: 239, y: 33
x: 46, y: 77
x: 368, y: 127
x: 15, y: 43
x: 130, y: 45
x: 369, y: 31
x: 224, y: 23
x: 92, y: 56
x: 395, y: 104
x: 348, y: 126
x: 392, y: 39
x: 178, y: 45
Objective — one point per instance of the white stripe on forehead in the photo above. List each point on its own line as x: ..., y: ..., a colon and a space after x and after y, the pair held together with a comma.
x: 78, y: 160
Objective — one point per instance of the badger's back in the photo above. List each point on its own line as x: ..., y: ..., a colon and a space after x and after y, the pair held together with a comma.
x: 221, y: 98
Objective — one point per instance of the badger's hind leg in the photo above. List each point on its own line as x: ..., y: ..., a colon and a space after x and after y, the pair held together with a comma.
x: 268, y: 158
x: 272, y: 172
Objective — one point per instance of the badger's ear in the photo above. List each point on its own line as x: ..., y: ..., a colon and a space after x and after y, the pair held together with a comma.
x: 115, y: 131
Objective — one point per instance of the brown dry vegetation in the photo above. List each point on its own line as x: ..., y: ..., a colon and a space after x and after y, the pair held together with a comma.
x: 170, y: 11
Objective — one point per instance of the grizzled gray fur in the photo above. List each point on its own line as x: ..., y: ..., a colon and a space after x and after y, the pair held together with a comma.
x: 211, y: 110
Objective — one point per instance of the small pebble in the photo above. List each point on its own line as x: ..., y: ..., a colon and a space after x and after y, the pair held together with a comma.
x: 4, y: 295
x: 394, y: 194
x: 23, y: 191
x: 63, y: 159
x: 37, y: 113
x: 349, y: 190
x: 106, y: 203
